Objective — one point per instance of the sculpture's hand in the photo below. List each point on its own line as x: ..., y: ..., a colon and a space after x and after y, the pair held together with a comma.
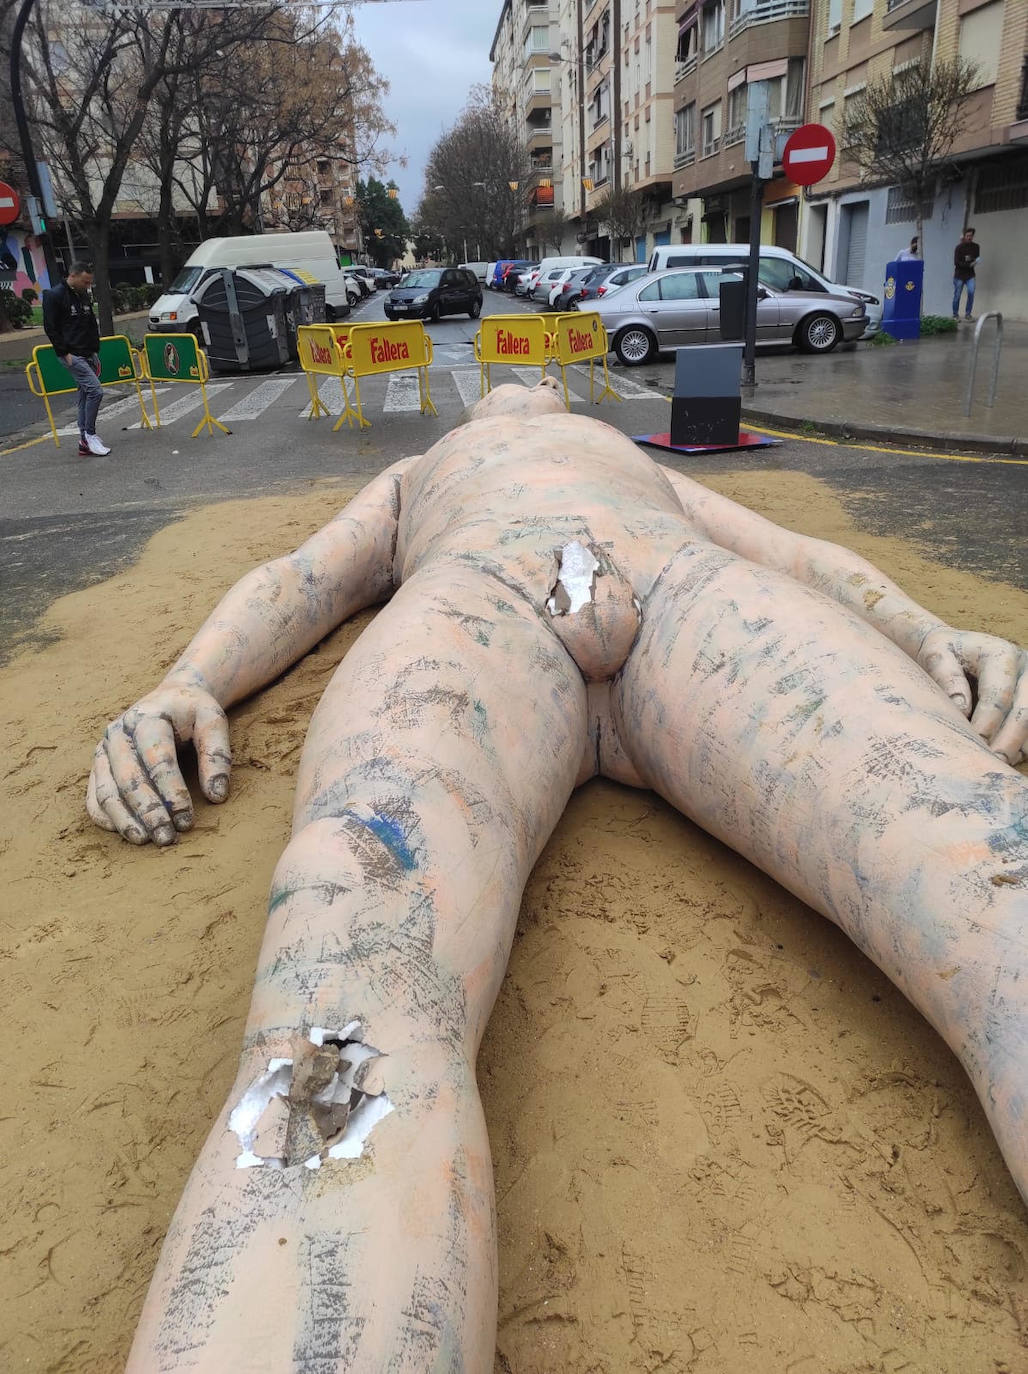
x: 1000, y: 716
x: 136, y: 786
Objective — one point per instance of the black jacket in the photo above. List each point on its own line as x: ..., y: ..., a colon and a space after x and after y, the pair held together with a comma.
x: 70, y: 323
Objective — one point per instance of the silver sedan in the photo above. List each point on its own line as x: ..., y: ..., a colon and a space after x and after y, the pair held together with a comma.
x: 680, y: 306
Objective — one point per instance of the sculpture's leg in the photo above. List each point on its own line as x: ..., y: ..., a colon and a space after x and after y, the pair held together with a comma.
x: 796, y: 734
x: 435, y: 768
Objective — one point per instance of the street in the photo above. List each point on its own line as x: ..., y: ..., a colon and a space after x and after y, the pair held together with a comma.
x: 67, y: 522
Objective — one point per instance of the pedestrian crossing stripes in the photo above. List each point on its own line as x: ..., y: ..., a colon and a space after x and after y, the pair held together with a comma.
x: 116, y: 408
x: 243, y: 399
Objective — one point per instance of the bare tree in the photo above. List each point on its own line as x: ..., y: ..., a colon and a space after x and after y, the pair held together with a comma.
x: 902, y: 128
x: 622, y: 211
x: 554, y: 227
x: 475, y: 181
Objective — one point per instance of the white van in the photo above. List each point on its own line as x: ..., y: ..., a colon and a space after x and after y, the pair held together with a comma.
x: 779, y: 269
x: 310, y: 252
x: 477, y: 269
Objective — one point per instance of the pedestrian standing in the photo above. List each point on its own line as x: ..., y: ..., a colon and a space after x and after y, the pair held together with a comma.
x: 965, y: 255
x: 72, y: 328
x: 910, y: 254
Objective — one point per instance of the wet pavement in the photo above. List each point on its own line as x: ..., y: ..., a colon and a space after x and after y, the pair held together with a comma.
x: 907, y: 391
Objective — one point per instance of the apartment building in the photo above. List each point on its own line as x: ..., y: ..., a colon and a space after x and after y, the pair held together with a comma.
x: 722, y: 47
x: 852, y: 227
x: 588, y: 84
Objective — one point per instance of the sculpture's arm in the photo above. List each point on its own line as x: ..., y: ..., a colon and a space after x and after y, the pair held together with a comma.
x: 268, y: 620
x: 949, y: 656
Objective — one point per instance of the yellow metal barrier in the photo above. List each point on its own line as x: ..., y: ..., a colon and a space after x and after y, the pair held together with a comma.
x: 179, y: 358
x: 518, y: 340
x: 119, y: 363
x: 375, y: 348
x: 322, y: 351
x: 579, y: 336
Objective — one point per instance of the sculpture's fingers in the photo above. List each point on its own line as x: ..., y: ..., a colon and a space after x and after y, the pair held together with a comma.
x: 997, y: 678
x: 213, y: 751
x: 154, y: 737
x: 94, y: 810
x: 1011, y: 739
x: 943, y: 667
x: 107, y: 798
x: 135, y: 789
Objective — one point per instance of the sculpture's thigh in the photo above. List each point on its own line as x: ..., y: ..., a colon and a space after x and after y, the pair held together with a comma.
x: 798, y: 735
x: 436, y: 766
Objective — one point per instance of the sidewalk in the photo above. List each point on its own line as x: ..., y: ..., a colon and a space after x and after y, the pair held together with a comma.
x: 19, y: 343
x: 911, y: 393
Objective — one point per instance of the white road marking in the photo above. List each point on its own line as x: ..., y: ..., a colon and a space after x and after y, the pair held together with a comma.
x: 624, y: 386
x: 108, y: 412
x: 330, y: 393
x: 402, y: 392
x: 192, y: 400
x: 256, y: 402
x: 468, y: 384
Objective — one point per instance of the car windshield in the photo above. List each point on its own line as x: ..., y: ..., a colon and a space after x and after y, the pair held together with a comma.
x: 426, y: 277
x: 186, y: 280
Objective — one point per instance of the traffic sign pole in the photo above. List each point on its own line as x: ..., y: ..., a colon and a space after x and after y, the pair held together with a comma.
x: 756, y: 123
x: 21, y: 120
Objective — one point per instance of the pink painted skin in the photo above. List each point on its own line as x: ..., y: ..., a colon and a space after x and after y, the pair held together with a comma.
x: 776, y: 689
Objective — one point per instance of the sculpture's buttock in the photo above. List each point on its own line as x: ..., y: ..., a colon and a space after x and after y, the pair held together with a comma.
x: 593, y: 610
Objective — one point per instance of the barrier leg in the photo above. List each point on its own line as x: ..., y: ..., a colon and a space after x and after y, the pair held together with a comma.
x: 608, y: 390
x: 50, y: 417
x: 144, y: 417
x: 207, y: 419
x: 427, y: 403
x: 564, y: 379
x: 352, y: 413
x: 318, y: 407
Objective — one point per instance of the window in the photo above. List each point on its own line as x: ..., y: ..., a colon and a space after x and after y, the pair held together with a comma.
x: 538, y: 39
x: 981, y: 33
x: 736, y: 114
x: 713, y: 25
x: 651, y: 292
x: 1002, y: 185
x: 687, y: 43
x: 783, y: 274
x: 711, y: 127
x: 861, y: 9
x: 681, y: 286
x: 539, y: 79
x: 685, y: 131
x: 785, y: 93
x: 834, y: 14
x: 901, y: 207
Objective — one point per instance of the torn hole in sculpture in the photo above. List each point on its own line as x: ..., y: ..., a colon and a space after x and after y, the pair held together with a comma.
x: 576, y: 579
x: 321, y: 1104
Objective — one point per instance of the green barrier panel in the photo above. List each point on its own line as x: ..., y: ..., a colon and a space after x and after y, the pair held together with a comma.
x: 120, y: 364
x: 173, y: 358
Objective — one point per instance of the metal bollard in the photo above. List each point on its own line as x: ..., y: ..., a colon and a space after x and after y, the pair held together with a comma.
x: 998, y: 317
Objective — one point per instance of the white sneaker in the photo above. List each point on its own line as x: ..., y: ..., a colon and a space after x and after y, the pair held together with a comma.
x: 96, y: 445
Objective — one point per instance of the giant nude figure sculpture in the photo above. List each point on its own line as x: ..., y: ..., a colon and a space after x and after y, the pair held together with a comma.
x: 559, y: 607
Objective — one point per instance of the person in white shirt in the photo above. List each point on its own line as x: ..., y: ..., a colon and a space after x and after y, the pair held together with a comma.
x: 907, y: 254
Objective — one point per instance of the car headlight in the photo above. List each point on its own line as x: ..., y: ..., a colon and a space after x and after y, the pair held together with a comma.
x: 420, y: 300
x: 859, y: 311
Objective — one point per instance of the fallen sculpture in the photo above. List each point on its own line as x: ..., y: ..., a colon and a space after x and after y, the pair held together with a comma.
x: 560, y: 607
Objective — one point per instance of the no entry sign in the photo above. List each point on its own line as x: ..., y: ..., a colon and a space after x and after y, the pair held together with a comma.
x: 808, y: 154
x: 9, y: 203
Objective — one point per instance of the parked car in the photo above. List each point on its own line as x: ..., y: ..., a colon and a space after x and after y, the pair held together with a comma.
x: 524, y: 279
x: 511, y: 272
x: 477, y: 269
x: 543, y: 283
x: 364, y: 274
x: 356, y: 288
x: 567, y: 294
x: 779, y: 269
x: 384, y: 277
x: 609, y: 277
x: 663, y: 310
x: 501, y: 269
x: 430, y: 292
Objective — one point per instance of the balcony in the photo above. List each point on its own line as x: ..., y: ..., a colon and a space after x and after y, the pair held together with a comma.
x: 685, y: 158
x: 909, y: 14
x: 682, y: 69
x: 770, y: 12
x: 539, y: 137
x: 711, y: 146
x: 538, y: 100
x: 735, y: 134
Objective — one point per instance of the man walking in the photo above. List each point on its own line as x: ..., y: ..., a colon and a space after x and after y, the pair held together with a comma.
x: 965, y: 255
x: 72, y: 329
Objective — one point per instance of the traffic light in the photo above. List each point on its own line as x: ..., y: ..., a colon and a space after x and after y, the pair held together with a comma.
x: 36, y: 216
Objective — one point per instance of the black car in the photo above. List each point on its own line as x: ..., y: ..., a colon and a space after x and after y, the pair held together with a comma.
x: 429, y: 292
x: 384, y: 276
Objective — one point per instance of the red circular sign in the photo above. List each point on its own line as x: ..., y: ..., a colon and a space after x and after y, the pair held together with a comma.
x: 10, y: 203
x: 809, y: 154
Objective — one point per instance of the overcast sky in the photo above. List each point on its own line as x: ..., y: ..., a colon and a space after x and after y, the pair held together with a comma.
x: 431, y: 52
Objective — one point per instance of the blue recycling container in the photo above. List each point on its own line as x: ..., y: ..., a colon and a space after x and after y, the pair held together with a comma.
x: 901, y: 304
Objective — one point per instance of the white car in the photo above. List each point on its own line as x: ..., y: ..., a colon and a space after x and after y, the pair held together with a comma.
x: 353, y: 291
x: 542, y: 285
x: 557, y: 286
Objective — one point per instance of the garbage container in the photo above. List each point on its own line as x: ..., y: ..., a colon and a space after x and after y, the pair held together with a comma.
x: 243, y: 319
x: 732, y: 294
x: 901, y: 306
x: 309, y: 296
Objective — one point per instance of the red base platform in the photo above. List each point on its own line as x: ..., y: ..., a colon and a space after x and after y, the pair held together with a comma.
x: 746, y: 440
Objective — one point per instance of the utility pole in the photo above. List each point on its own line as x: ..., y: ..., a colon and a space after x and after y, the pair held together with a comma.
x: 24, y: 134
x: 760, y: 156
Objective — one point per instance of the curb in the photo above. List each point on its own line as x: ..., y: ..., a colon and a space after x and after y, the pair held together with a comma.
x: 892, y: 434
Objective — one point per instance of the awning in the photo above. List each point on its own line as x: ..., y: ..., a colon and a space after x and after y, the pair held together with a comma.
x: 767, y: 71
x: 737, y: 79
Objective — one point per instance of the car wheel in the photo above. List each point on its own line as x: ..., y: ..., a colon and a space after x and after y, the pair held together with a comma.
x: 433, y: 314
x: 819, y: 333
x: 330, y: 314
x: 572, y: 303
x: 475, y: 311
x: 634, y: 346
x: 390, y: 314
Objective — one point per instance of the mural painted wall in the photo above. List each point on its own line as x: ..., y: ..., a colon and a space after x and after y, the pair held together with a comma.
x: 22, y: 254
